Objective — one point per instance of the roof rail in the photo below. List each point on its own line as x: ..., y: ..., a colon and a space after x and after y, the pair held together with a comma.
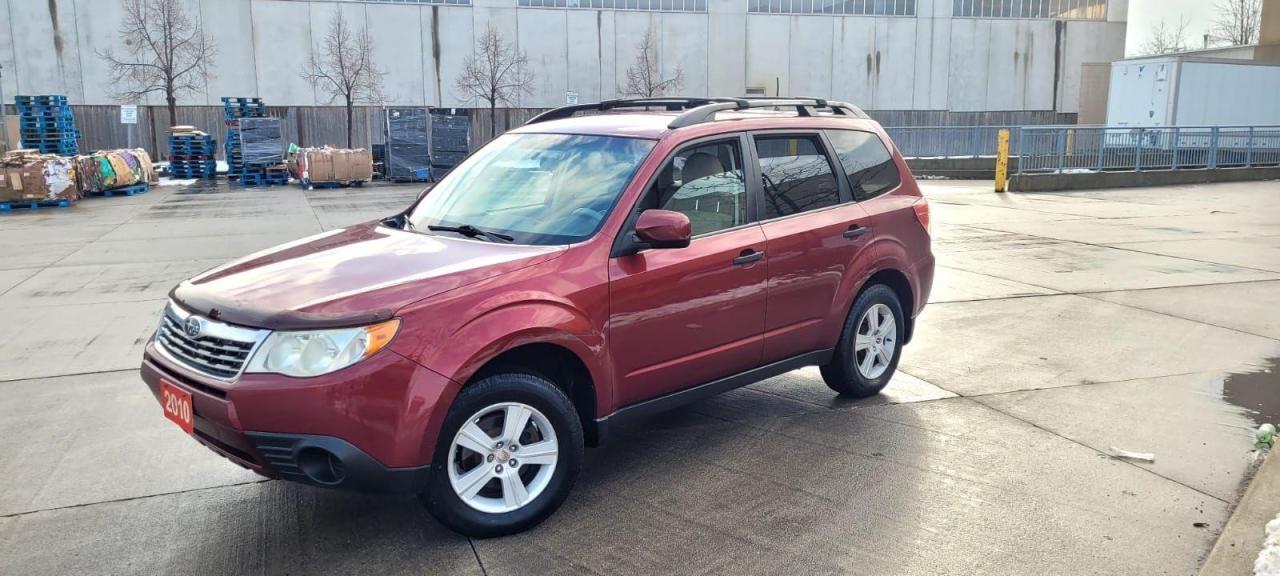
x: 700, y: 110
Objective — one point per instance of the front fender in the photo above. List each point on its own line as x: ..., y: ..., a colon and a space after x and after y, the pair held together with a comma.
x: 514, y: 320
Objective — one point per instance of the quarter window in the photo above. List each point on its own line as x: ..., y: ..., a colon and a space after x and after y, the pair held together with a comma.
x: 796, y: 174
x: 706, y: 183
x: 866, y: 161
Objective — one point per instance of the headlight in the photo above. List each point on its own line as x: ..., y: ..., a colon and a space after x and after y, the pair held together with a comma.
x: 316, y: 352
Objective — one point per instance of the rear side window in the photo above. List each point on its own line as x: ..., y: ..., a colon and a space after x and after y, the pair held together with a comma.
x: 797, y: 176
x: 867, y: 162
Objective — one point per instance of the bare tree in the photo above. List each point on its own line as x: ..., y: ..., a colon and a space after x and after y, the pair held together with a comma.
x: 344, y: 67
x: 165, y: 52
x: 496, y: 72
x: 644, y: 76
x: 1238, y: 22
x: 1166, y: 39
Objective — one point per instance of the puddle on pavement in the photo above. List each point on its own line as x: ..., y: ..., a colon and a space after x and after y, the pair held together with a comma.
x: 1258, y: 393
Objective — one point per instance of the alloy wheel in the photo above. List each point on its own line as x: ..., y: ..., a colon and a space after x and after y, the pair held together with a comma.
x: 875, y: 341
x: 503, y: 457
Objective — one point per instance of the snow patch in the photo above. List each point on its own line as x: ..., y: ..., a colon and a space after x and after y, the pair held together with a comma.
x: 171, y: 182
x: 1268, y: 563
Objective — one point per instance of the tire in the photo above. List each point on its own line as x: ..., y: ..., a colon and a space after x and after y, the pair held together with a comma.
x: 494, y: 506
x: 846, y: 373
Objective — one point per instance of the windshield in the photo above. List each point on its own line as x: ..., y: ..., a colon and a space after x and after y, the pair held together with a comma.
x: 534, y: 188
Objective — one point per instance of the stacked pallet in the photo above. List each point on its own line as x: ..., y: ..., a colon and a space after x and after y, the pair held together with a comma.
x: 191, y: 153
x: 47, y: 124
x: 233, y: 110
x: 261, y: 143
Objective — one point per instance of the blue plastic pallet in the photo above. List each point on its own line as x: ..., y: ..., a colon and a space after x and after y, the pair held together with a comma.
x: 33, y: 204
x: 250, y: 180
x: 309, y: 185
x: 124, y: 191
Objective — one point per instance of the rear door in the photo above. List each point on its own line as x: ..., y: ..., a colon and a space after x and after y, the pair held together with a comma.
x: 817, y: 239
x: 875, y: 179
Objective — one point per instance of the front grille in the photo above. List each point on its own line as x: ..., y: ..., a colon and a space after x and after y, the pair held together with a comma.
x: 221, y: 350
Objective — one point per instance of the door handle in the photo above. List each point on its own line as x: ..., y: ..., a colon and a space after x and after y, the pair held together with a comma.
x: 856, y: 231
x: 748, y: 256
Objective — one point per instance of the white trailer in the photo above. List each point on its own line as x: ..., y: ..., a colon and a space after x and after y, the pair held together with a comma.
x: 1193, y: 91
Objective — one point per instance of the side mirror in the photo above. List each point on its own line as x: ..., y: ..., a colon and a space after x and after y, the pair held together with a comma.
x: 662, y: 229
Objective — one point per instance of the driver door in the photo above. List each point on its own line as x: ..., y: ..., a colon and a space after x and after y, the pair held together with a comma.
x: 684, y: 317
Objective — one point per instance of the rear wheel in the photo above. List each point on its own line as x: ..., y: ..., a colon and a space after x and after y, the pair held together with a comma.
x: 867, y: 355
x: 507, y: 457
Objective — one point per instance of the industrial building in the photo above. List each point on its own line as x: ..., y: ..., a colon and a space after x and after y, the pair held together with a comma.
x: 917, y: 61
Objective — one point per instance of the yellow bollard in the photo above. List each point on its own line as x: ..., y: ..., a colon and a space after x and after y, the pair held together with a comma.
x: 1002, y: 161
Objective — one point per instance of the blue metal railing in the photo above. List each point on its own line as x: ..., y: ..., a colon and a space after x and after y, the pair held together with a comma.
x: 950, y: 141
x: 1057, y: 149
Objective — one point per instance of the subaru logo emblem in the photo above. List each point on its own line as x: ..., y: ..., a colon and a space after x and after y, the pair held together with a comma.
x: 194, y: 327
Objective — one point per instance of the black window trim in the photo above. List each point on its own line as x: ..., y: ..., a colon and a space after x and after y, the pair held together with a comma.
x: 625, y: 243
x: 846, y: 193
x: 888, y: 147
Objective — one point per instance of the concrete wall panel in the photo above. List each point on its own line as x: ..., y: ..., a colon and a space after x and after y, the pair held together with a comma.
x: 684, y: 46
x: 967, y: 81
x: 895, y: 62
x: 939, y: 66
x: 543, y: 39
x: 1038, y: 50
x: 769, y: 53
x: 396, y: 32
x: 1005, y: 66
x: 457, y: 42
x: 39, y: 57
x: 812, y: 45
x: 726, y: 30
x: 629, y: 31
x: 283, y: 38
x: 853, y: 65
x: 234, y: 65
x: 583, y: 52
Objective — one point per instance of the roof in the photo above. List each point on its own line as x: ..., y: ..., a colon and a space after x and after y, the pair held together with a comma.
x: 654, y: 118
x: 650, y: 125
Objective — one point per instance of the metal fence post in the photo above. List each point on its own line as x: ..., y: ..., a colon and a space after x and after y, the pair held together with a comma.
x: 1248, y: 153
x: 1137, y: 160
x: 1022, y: 139
x: 1176, y: 144
x: 1213, y: 148
x: 1062, y: 149
x: 1102, y: 149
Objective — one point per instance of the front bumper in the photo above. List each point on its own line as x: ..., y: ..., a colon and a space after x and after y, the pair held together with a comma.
x: 369, y: 427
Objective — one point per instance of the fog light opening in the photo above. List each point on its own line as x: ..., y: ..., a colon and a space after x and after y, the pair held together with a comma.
x: 321, y: 466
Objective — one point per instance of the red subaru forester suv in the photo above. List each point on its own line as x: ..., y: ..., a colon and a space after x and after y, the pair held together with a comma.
x: 573, y: 273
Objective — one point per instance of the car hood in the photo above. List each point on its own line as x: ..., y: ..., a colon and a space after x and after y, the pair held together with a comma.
x: 347, y: 277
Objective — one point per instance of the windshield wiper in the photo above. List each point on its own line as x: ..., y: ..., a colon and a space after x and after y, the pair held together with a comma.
x: 472, y: 232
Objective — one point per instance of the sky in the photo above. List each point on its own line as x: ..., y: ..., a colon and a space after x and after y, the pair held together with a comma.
x: 1146, y: 14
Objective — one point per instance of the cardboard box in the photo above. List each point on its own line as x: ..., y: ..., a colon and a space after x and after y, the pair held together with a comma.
x: 336, y: 165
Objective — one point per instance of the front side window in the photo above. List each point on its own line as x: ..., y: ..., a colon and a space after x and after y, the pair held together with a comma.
x: 796, y: 175
x: 535, y: 188
x: 868, y: 163
x: 706, y: 183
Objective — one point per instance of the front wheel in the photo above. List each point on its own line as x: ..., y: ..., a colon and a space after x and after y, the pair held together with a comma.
x: 870, y: 344
x: 509, y: 453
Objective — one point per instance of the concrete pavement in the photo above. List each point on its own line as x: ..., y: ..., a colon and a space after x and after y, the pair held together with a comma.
x: 1060, y: 325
